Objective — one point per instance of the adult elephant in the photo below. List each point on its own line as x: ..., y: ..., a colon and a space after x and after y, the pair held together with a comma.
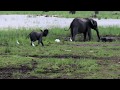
x: 83, y: 25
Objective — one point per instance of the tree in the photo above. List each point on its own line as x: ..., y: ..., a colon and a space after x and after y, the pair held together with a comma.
x: 72, y: 12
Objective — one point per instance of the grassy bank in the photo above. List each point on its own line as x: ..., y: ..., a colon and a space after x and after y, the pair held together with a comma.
x: 82, y: 14
x: 79, y: 60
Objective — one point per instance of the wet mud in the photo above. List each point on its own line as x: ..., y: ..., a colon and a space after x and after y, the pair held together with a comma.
x: 7, y: 72
x: 76, y: 57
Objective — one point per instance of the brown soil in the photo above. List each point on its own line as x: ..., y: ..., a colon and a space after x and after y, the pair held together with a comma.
x: 77, y: 57
x: 7, y: 72
x: 95, y: 45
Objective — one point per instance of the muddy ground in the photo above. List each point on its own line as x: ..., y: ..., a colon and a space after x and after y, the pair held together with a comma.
x: 8, y: 72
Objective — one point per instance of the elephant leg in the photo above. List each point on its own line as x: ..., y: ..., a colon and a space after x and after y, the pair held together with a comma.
x: 40, y: 41
x: 72, y: 36
x: 89, y: 35
x: 74, y: 32
x: 98, y: 35
x: 32, y: 44
x: 85, y: 36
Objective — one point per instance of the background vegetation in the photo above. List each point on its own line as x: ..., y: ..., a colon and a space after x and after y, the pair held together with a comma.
x: 82, y: 14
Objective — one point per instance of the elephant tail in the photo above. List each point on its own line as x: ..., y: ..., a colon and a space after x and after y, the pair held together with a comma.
x: 67, y: 29
x: 28, y: 35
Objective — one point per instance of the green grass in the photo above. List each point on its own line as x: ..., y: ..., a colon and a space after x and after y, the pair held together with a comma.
x: 64, y: 60
x: 82, y: 14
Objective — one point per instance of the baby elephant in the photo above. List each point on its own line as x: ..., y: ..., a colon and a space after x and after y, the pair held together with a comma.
x: 38, y: 36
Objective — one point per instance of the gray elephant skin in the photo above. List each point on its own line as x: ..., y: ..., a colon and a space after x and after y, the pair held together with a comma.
x: 83, y: 25
x: 38, y: 36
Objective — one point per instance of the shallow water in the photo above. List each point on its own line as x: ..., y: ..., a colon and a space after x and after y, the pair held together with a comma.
x: 27, y: 21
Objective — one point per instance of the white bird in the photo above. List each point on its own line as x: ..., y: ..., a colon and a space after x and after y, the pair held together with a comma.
x: 33, y: 44
x: 70, y: 39
x: 57, y: 40
x: 18, y: 42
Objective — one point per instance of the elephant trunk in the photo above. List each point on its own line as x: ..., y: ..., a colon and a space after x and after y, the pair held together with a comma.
x: 98, y: 34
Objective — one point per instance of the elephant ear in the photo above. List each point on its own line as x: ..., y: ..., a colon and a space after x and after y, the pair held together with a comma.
x: 45, y: 33
x: 94, y: 23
